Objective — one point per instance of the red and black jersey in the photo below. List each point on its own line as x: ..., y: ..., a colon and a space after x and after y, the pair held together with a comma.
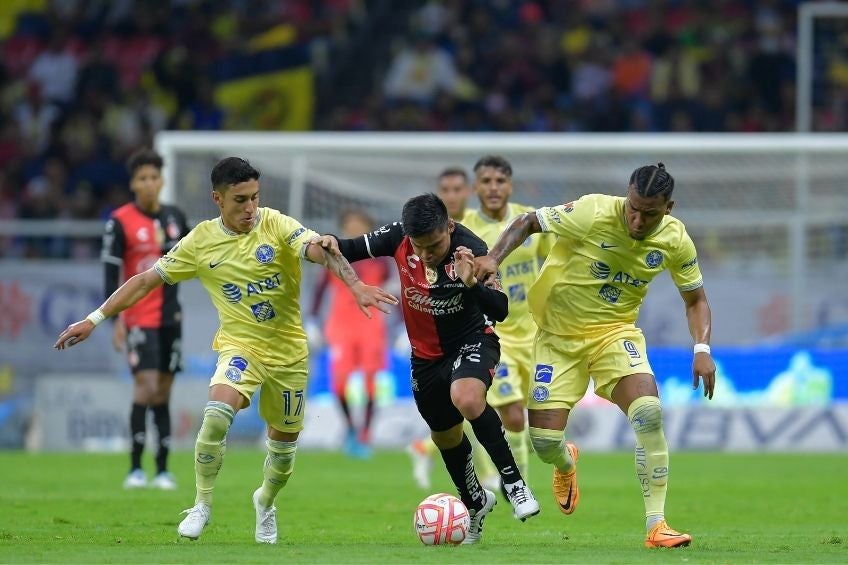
x: 438, y: 309
x: 133, y: 241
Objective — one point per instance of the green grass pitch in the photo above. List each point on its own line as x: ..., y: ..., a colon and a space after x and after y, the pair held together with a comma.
x: 765, y: 508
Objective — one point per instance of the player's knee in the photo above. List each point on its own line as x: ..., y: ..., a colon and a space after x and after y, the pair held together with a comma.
x: 512, y: 416
x: 548, y: 444
x: 281, y: 455
x: 217, y: 417
x: 469, y: 403
x: 645, y: 415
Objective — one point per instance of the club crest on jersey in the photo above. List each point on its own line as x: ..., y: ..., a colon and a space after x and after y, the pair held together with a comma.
x: 540, y: 393
x: 233, y: 374
x: 265, y: 253
x: 450, y: 269
x: 432, y: 275
x: 654, y: 259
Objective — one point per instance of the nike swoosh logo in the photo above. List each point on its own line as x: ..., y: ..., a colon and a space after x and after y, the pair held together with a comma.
x: 567, y: 504
x: 605, y: 245
x: 213, y: 265
x: 289, y: 423
x: 636, y: 364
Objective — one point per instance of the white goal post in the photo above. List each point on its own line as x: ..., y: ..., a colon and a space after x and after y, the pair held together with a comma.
x: 767, y: 211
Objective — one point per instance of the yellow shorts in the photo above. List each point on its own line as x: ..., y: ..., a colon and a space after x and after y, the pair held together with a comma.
x: 564, y: 364
x: 512, y: 375
x: 282, y: 398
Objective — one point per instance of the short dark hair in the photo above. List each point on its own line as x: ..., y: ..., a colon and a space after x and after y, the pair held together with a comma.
x: 423, y: 215
x: 454, y: 171
x: 142, y: 157
x: 230, y: 171
x: 496, y: 162
x: 652, y: 180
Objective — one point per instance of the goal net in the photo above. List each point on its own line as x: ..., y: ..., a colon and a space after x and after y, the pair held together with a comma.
x: 767, y: 212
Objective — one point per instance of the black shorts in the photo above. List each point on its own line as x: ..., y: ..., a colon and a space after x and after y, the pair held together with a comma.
x: 431, y: 379
x: 156, y: 349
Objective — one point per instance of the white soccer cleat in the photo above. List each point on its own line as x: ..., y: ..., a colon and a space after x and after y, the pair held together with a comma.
x: 422, y: 463
x: 475, y: 528
x: 266, y: 521
x: 524, y: 504
x: 164, y: 481
x: 136, y: 479
x: 196, y: 519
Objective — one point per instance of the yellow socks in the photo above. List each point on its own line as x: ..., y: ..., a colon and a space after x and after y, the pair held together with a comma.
x: 210, y: 447
x: 279, y: 464
x: 645, y: 415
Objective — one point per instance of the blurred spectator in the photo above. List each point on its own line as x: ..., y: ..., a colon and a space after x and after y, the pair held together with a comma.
x: 83, y: 83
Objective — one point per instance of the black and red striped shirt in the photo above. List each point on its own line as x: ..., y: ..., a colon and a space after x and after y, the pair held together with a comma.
x: 133, y: 241
x: 439, y: 310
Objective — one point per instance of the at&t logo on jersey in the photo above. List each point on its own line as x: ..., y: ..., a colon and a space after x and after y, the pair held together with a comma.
x: 599, y: 270
x: 231, y: 292
x: 265, y: 253
x: 544, y: 373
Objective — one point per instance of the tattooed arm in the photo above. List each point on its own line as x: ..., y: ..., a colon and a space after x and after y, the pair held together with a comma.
x: 366, y: 295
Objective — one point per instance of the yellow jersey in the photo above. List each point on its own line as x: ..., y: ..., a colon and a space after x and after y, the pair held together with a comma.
x: 253, y: 280
x: 596, y: 275
x: 519, y: 270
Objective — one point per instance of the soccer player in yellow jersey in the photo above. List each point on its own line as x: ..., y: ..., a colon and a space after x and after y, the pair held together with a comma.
x: 585, y: 303
x: 453, y: 189
x: 248, y: 260
x: 508, y: 393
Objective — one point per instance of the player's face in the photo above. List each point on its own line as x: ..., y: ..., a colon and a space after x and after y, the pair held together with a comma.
x: 239, y: 205
x: 354, y: 226
x: 146, y: 183
x: 454, y: 192
x: 642, y: 214
x: 432, y: 248
x: 493, y: 187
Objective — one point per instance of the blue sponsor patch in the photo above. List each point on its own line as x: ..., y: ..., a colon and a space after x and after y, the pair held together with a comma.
x: 504, y: 389
x: 517, y: 293
x: 609, y: 293
x: 501, y: 371
x: 544, y: 373
x: 540, y: 393
x: 262, y: 311
x: 239, y: 363
x: 265, y: 253
x: 654, y: 259
x: 233, y: 374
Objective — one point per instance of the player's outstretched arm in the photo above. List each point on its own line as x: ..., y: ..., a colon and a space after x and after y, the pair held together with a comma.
x: 700, y: 321
x: 516, y: 232
x: 366, y: 295
x: 127, y: 294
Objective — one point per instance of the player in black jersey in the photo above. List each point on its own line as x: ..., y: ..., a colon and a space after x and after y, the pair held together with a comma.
x: 450, y: 318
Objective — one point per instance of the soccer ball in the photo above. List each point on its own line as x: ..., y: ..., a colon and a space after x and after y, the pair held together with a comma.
x: 441, y: 519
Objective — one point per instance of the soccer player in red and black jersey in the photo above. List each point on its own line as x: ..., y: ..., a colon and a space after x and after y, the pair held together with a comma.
x: 136, y: 236
x: 450, y: 318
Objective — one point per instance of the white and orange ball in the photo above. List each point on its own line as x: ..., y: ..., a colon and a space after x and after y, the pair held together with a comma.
x: 441, y: 519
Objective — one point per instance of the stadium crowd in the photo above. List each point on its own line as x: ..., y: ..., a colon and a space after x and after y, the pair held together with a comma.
x: 86, y: 82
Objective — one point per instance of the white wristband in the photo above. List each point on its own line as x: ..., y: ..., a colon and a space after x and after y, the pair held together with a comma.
x: 96, y: 317
x: 702, y: 348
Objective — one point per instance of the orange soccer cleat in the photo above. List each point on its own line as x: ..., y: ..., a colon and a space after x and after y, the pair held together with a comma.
x: 663, y: 536
x: 565, y: 488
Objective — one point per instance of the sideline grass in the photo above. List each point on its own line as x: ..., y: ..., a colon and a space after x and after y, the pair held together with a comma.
x: 768, y: 508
